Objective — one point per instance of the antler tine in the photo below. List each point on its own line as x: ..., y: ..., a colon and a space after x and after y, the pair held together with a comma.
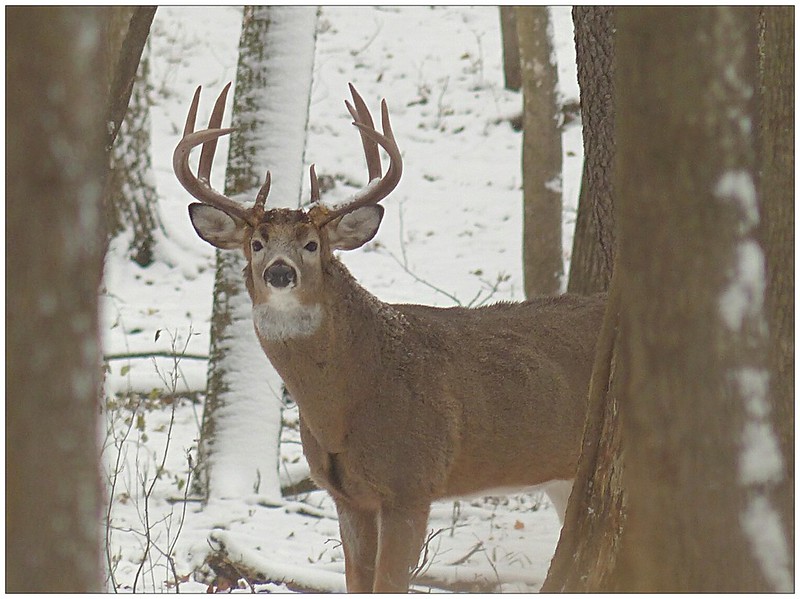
x: 375, y: 191
x: 314, y: 184
x: 210, y: 148
x: 261, y: 198
x: 191, y: 118
x: 199, y: 186
x: 362, y: 115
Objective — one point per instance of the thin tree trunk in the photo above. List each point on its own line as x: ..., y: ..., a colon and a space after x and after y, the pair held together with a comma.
x: 594, y: 242
x: 55, y: 236
x: 511, y: 65
x: 242, y: 418
x: 541, y: 154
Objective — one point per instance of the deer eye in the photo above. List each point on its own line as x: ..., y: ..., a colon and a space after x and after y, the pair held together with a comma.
x: 311, y: 246
x: 257, y: 245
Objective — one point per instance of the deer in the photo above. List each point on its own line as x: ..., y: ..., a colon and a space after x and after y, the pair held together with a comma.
x: 400, y: 404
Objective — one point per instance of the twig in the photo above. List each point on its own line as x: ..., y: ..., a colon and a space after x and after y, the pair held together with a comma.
x: 156, y: 354
x: 477, y: 547
x: 379, y: 26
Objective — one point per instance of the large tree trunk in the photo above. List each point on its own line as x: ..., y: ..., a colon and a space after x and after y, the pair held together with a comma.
x: 594, y: 242
x: 242, y: 418
x: 689, y: 487
x: 541, y: 154
x: 54, y: 184
x: 776, y: 40
x: 701, y: 456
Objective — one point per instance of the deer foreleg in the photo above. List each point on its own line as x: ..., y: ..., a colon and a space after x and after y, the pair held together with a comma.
x: 400, y: 538
x: 359, y: 531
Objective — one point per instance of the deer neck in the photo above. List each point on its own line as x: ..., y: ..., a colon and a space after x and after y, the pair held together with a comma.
x: 326, y: 355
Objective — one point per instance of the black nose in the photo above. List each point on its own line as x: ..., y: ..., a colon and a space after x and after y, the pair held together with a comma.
x: 280, y: 274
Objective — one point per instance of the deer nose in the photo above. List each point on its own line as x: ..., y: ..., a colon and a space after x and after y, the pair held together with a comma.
x: 280, y: 275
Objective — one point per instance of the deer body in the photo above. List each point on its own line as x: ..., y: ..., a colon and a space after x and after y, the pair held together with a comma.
x: 400, y: 404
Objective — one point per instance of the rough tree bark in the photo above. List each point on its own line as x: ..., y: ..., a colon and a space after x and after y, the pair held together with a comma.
x: 594, y: 242
x: 55, y: 177
x: 242, y: 418
x: 541, y: 154
x: 595, y: 516
x: 776, y: 133
x: 684, y: 345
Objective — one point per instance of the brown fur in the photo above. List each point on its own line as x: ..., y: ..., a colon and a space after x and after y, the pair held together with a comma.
x: 404, y: 404
x: 401, y: 405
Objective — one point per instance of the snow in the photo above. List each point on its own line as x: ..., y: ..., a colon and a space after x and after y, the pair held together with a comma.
x: 744, y: 296
x: 762, y: 525
x: 741, y: 307
x: 451, y: 234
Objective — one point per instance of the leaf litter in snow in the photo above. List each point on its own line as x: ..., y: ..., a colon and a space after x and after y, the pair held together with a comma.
x: 452, y: 234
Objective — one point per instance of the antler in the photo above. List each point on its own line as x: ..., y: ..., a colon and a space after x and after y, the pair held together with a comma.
x: 199, y: 186
x: 378, y: 187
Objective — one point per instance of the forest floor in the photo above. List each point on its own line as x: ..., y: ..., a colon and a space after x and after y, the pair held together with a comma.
x: 452, y: 234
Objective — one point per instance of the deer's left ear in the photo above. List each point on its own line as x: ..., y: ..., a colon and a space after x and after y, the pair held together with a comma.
x: 354, y: 229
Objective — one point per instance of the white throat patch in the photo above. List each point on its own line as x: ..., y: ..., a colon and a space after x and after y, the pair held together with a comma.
x: 283, y: 317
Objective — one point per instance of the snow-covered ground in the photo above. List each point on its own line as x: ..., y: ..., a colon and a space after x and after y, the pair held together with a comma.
x: 451, y: 234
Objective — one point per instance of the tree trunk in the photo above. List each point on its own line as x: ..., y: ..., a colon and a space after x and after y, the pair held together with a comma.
x: 776, y: 40
x: 132, y: 196
x: 701, y: 457
x: 686, y: 481
x: 54, y: 184
x: 242, y: 417
x: 594, y: 242
x: 541, y: 154
x: 595, y: 517
x: 511, y: 66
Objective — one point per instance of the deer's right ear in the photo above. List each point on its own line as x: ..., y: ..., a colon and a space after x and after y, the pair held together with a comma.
x: 217, y: 227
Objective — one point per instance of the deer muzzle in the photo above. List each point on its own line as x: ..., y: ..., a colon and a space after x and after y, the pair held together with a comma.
x: 280, y: 275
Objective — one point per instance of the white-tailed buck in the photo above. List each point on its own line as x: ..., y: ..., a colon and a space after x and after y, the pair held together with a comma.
x: 400, y: 405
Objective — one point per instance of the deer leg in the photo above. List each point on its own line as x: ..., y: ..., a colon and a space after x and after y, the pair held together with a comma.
x: 359, y: 531
x: 400, y: 538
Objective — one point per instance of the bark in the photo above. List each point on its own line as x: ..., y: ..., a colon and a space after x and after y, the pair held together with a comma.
x: 594, y: 242
x: 776, y: 41
x: 595, y: 516
x: 686, y: 482
x: 541, y: 154
x: 511, y: 65
x: 242, y: 417
x: 701, y: 458
x: 54, y: 184
x: 130, y: 27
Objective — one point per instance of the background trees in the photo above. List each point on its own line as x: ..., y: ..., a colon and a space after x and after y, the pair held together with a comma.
x: 541, y: 153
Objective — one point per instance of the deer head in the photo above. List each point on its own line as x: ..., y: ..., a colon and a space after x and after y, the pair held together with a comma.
x: 286, y: 250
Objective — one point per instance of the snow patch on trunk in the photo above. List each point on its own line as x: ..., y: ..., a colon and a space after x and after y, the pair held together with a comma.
x: 761, y: 466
